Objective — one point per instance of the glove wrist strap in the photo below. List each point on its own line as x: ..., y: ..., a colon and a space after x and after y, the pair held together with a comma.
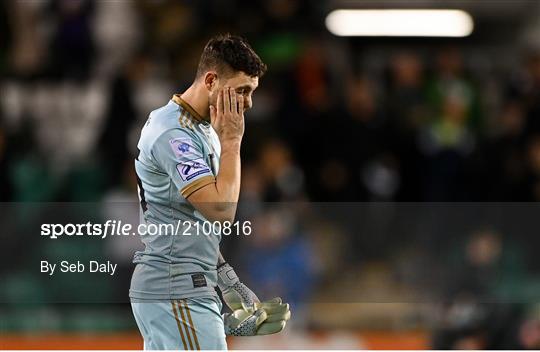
x: 226, y: 276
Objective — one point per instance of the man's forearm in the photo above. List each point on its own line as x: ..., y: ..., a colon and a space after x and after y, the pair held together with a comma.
x: 220, y: 260
x: 228, y: 177
x: 228, y: 180
x: 218, y: 201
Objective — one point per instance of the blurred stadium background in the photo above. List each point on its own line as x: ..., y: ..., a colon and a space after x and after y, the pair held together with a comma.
x: 336, y: 119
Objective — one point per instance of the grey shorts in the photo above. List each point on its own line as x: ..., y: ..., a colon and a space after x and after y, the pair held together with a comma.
x: 183, y: 324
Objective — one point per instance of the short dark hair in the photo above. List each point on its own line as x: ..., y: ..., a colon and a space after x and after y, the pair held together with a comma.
x: 228, y: 53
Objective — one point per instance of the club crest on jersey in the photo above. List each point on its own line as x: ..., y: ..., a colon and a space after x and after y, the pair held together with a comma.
x: 192, y: 168
x: 180, y: 146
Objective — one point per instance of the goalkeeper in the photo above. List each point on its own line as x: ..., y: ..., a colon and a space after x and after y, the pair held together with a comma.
x: 188, y: 170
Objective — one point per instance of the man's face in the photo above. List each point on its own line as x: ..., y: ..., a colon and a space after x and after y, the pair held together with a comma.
x: 241, y: 83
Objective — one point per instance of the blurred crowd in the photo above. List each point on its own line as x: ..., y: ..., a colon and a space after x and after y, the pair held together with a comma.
x: 334, y: 120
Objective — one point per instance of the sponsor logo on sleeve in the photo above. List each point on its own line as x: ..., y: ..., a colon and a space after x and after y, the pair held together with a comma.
x: 192, y: 168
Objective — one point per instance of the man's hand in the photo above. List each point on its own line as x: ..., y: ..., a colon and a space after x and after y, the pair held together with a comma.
x: 250, y: 316
x: 217, y: 201
x: 227, y: 117
x: 269, y: 317
x: 243, y: 323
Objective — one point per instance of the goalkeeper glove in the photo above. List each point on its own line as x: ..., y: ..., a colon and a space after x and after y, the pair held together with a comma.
x: 247, y: 318
x: 269, y: 317
x: 235, y: 294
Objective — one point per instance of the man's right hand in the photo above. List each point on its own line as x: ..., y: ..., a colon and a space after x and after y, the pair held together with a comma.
x: 265, y: 318
x: 227, y: 117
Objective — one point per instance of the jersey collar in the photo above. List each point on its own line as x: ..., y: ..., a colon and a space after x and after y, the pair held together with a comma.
x: 194, y: 114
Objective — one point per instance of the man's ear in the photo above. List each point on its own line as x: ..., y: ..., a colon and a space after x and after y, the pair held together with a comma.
x: 210, y: 80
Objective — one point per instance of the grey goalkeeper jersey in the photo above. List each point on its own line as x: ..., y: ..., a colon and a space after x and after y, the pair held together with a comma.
x: 178, y: 154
